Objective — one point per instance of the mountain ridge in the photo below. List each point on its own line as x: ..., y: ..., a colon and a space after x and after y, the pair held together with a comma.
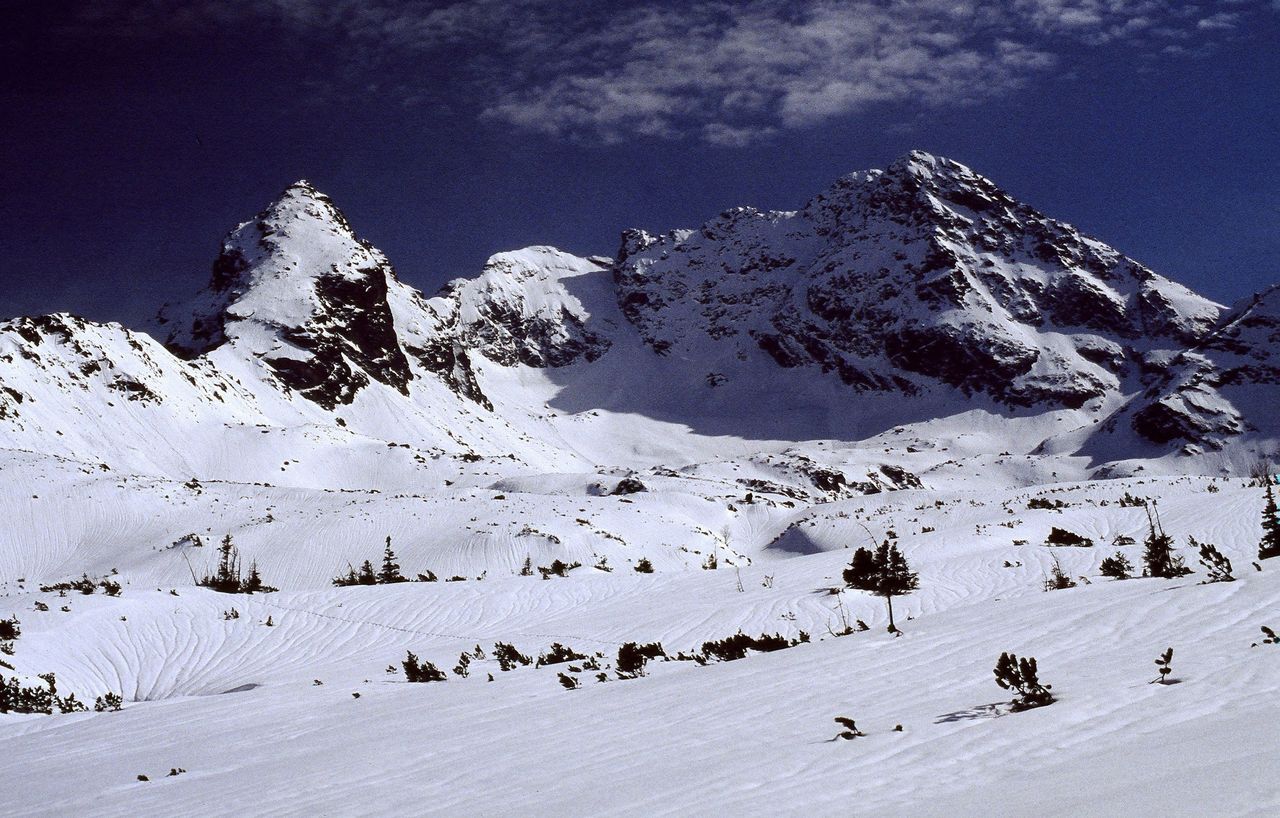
x: 922, y: 285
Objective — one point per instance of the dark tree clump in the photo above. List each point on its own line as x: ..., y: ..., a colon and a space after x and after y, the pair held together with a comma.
x: 18, y: 698
x: 1020, y: 676
x: 1060, y: 536
x: 1158, y: 558
x: 10, y: 629
x: 632, y: 658
x: 227, y: 578
x: 1058, y: 580
x: 424, y: 672
x: 558, y: 654
x: 568, y: 682
x: 508, y: 657
x: 644, y: 566
x: 736, y: 646
x: 1117, y: 566
x: 884, y: 573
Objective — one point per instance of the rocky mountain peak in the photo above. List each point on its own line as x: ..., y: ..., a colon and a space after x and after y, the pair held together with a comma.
x: 296, y: 288
x: 921, y: 273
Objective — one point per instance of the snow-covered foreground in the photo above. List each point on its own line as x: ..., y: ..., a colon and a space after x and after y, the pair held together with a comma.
x: 236, y: 704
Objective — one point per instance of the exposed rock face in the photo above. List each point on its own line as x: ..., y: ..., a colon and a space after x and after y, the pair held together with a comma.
x: 519, y: 310
x: 325, y: 313
x: 924, y: 283
x: 296, y: 288
x: 924, y: 271
x: 1224, y: 385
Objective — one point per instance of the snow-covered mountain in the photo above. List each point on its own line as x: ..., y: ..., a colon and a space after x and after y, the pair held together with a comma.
x: 910, y: 295
x: 900, y: 279
x: 685, y: 443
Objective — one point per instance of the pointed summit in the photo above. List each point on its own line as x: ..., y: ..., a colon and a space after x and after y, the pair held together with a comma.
x: 296, y: 288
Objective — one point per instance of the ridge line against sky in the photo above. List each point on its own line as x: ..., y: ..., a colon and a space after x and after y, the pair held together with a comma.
x: 139, y: 132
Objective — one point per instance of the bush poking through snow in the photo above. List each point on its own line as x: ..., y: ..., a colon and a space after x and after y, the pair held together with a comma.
x: 508, y: 657
x: 558, y: 654
x: 463, y: 668
x: 18, y: 698
x: 735, y: 647
x: 632, y: 658
x: 644, y: 566
x: 1269, y: 636
x: 1060, y: 536
x: 84, y: 585
x: 108, y: 702
x: 1163, y: 663
x: 1158, y: 558
x: 1215, y: 564
x: 388, y: 574
x: 10, y: 629
x: 424, y: 672
x: 227, y: 578
x: 1020, y: 676
x: 850, y: 730
x: 568, y: 682
x: 1058, y: 580
x: 1117, y: 566
x: 558, y: 569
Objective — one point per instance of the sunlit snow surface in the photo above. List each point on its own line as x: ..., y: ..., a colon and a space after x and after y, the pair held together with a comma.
x: 497, y: 421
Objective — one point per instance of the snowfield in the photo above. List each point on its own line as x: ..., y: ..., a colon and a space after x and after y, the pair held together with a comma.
x: 236, y: 705
x: 690, y: 441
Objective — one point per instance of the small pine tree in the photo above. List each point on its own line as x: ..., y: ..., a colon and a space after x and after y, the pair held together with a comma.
x: 226, y: 579
x: 347, y: 579
x: 526, y: 570
x: 390, y: 572
x: 366, y: 575
x: 1117, y: 566
x: 254, y: 582
x: 1164, y: 662
x: 1158, y: 558
x: 1270, y: 545
x: 508, y: 657
x: 1021, y: 676
x: 1058, y: 580
x: 644, y: 566
x: 884, y: 573
x: 1217, y: 566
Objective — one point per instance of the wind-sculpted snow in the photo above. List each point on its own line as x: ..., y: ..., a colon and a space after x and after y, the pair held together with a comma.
x: 684, y: 737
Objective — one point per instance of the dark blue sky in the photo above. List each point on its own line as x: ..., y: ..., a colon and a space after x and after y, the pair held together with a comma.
x: 137, y: 132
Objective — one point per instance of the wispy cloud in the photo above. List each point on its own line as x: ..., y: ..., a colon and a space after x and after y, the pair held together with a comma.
x: 725, y: 72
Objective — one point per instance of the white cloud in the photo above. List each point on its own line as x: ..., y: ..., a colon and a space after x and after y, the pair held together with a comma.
x: 725, y: 72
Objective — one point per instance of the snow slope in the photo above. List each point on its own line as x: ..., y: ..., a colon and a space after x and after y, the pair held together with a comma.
x: 914, y: 356
x: 750, y: 735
